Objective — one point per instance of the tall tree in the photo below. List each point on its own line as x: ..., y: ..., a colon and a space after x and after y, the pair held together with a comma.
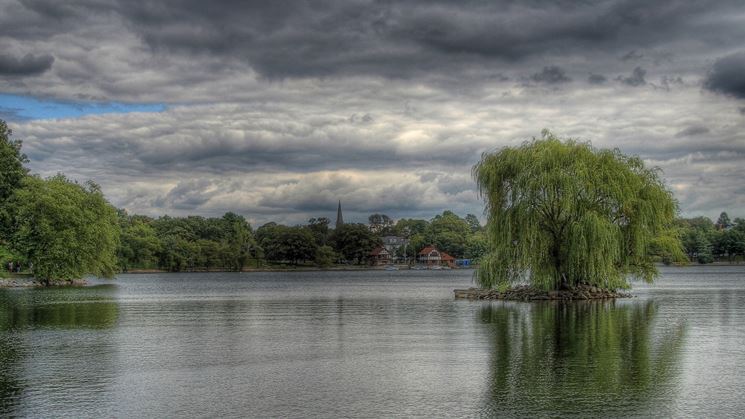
x: 12, y: 170
x: 354, y: 241
x: 320, y: 229
x: 138, y: 245
x: 449, y: 232
x: 380, y: 224
x: 723, y: 221
x: 237, y: 240
x: 473, y: 222
x: 65, y: 229
x: 563, y: 212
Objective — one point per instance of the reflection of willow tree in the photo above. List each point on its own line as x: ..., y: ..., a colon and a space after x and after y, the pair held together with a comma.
x: 34, y: 309
x: 590, y: 358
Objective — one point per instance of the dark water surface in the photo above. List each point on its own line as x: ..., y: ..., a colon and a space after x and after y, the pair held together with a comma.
x: 370, y: 344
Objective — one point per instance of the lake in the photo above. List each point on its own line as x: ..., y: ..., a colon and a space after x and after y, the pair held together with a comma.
x: 370, y: 344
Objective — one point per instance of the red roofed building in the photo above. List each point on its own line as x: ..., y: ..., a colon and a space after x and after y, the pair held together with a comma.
x: 430, y: 256
x: 380, y: 256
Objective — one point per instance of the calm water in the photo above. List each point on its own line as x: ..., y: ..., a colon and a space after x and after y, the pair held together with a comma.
x: 370, y: 344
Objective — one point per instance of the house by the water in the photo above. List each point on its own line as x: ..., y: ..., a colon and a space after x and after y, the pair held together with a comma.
x: 431, y: 256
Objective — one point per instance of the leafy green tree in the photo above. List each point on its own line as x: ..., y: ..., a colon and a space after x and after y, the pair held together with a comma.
x: 739, y: 225
x: 417, y: 242
x: 237, y: 240
x: 354, y: 242
x: 325, y: 256
x: 139, y: 245
x: 473, y: 222
x: 731, y: 243
x: 563, y: 212
x: 476, y: 246
x: 283, y: 243
x: 12, y: 170
x: 320, y: 229
x: 703, y: 248
x: 723, y: 222
x: 177, y: 254
x: 12, y: 173
x: 449, y: 233
x: 65, y: 229
x: 407, y: 227
x: 699, y: 236
x: 380, y: 224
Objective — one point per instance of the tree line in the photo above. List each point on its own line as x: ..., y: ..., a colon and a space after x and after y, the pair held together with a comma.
x: 229, y: 243
x: 706, y: 241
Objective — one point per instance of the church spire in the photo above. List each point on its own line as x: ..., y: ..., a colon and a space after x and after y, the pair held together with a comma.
x: 339, y: 218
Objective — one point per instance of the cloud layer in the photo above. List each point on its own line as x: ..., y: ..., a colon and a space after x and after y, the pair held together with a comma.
x: 279, y: 110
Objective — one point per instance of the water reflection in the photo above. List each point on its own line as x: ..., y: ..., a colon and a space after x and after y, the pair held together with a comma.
x: 63, y: 308
x: 590, y: 358
x: 10, y: 385
x: 42, y: 335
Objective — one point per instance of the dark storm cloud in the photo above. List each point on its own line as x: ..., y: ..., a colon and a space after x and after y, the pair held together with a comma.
x: 396, y: 39
x: 636, y: 78
x: 632, y: 55
x: 27, y: 65
x: 390, y: 39
x: 187, y: 195
x: 596, y: 79
x: 691, y: 131
x: 728, y: 76
x: 551, y: 75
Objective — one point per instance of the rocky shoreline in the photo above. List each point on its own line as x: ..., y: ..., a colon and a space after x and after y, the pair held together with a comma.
x: 527, y: 293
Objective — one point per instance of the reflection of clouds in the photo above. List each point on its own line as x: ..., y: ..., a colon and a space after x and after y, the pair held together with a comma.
x: 580, y: 358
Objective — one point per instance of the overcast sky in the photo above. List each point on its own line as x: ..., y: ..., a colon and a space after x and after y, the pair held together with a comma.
x: 277, y: 109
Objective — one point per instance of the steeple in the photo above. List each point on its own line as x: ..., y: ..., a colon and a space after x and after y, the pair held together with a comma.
x: 339, y: 218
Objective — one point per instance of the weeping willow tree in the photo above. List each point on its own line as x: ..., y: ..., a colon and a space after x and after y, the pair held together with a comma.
x: 562, y: 212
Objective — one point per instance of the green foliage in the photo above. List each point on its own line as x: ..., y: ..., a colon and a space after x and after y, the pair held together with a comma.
x: 6, y: 256
x: 354, y: 242
x: 473, y: 222
x: 325, y: 256
x: 12, y: 171
x: 449, y: 233
x: 477, y: 246
x: 381, y: 224
x: 320, y: 229
x: 65, y: 229
x: 562, y: 212
x: 407, y: 227
x: 188, y: 243
x: 139, y: 246
x: 705, y: 241
x: 723, y: 221
x: 286, y: 244
x: 703, y: 248
x: 236, y: 241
